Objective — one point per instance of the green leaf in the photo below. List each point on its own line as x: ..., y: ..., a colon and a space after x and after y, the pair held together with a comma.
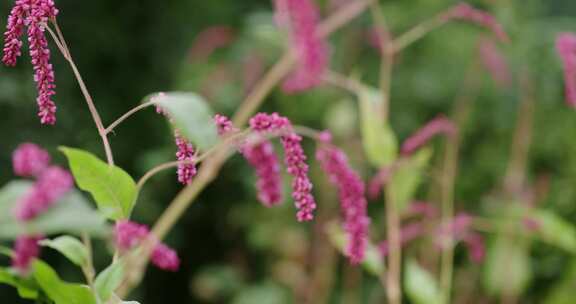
x: 373, y: 262
x: 59, y: 291
x: 564, y: 291
x: 407, y: 177
x: 507, y: 269
x: 70, y: 247
x: 72, y: 214
x: 6, y: 251
x: 109, y: 280
x: 420, y: 285
x: 26, y: 288
x: 554, y: 230
x: 380, y: 143
x: 192, y: 116
x: 111, y: 187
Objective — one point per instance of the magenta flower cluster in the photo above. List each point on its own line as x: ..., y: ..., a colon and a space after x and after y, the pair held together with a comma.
x: 294, y: 158
x: 300, y: 18
x: 185, y: 152
x: 33, y: 14
x: 566, y: 48
x: 261, y: 156
x: 26, y: 249
x: 466, y: 12
x: 52, y: 183
x: 438, y: 125
x: 353, y: 202
x: 129, y: 235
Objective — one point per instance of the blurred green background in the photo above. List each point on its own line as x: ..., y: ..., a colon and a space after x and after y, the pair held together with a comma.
x: 232, y: 249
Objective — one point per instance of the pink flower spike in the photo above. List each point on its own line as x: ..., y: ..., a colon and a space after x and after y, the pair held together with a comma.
x: 51, y: 186
x: 14, y: 31
x: 566, y: 48
x: 264, y: 160
x: 128, y: 235
x: 26, y: 249
x: 294, y: 158
x: 408, y: 233
x: 423, y: 208
x: 495, y: 62
x: 466, y: 12
x: 353, y: 203
x: 476, y: 248
x: 185, y: 153
x: 439, y: 125
x: 165, y: 258
x: 209, y: 40
x: 301, y: 17
x: 224, y: 125
x: 30, y: 160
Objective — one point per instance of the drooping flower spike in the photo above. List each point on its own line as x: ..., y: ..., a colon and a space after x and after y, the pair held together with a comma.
x: 33, y: 14
x: 466, y: 12
x: 439, y: 125
x: 26, y: 249
x: 294, y: 158
x: 185, y: 152
x: 262, y: 157
x: 351, y: 189
x: 566, y: 48
x: 300, y: 18
x: 128, y: 235
x: 495, y: 62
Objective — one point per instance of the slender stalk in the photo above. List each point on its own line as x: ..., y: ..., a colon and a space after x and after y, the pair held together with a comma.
x: 122, y: 118
x: 415, y: 34
x: 393, y: 276
x: 462, y: 108
x: 88, y: 268
x: 387, y: 61
x: 61, y: 42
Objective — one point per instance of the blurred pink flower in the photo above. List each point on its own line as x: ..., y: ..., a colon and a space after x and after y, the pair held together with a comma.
x: 52, y: 184
x: 495, y: 62
x: 439, y: 125
x: 566, y: 48
x: 353, y: 203
x: 300, y: 18
x: 30, y: 160
x: 209, y: 40
x: 466, y: 12
x: 165, y: 258
x: 26, y: 249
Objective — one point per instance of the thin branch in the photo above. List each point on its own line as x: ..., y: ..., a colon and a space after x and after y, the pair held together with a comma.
x: 128, y: 114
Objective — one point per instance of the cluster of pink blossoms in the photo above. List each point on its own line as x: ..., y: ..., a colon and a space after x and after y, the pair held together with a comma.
x: 33, y: 14
x: 185, y: 152
x: 495, y: 62
x: 466, y: 12
x: 300, y: 18
x: 566, y: 48
x: 294, y: 158
x: 129, y: 235
x: 438, y: 125
x: 353, y: 202
x: 262, y: 157
x: 52, y: 183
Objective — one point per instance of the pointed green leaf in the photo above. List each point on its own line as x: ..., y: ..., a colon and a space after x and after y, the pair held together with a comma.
x: 192, y: 116
x: 420, y: 285
x: 59, y: 291
x: 111, y: 187
x: 109, y: 280
x: 553, y: 229
x: 72, y: 214
x: 70, y: 247
x: 26, y: 288
x: 507, y: 269
x: 408, y: 176
x: 380, y: 143
x: 373, y: 261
